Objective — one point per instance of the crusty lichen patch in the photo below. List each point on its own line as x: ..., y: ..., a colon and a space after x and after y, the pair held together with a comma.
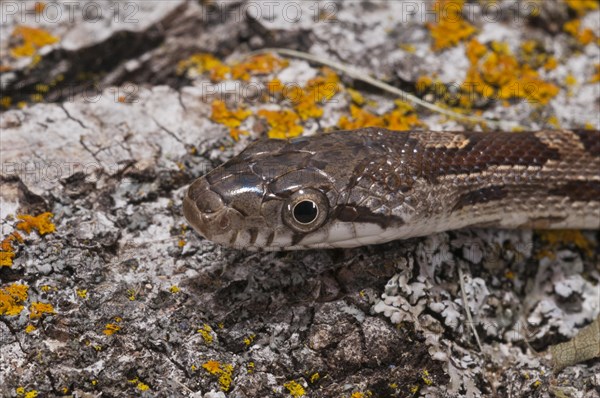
x: 450, y: 28
x: 30, y: 40
x: 12, y: 298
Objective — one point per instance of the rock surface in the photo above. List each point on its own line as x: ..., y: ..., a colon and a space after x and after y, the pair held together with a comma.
x: 105, y: 126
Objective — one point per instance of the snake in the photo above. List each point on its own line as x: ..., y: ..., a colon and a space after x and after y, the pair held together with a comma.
x: 368, y: 186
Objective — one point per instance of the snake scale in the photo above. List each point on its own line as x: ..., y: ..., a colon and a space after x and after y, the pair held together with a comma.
x: 371, y: 185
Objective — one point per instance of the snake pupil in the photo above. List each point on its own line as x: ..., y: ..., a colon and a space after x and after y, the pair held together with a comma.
x: 305, y: 212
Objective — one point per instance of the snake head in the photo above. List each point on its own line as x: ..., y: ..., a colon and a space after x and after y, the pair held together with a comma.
x: 290, y: 195
x: 265, y: 198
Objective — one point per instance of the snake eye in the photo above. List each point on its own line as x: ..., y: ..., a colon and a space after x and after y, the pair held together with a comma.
x: 306, y: 210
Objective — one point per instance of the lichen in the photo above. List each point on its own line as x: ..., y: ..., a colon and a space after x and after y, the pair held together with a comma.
x: 554, y: 239
x: 283, y: 123
x: 403, y: 117
x: 262, y: 64
x: 450, y: 27
x: 583, y: 36
x: 40, y: 223
x: 38, y: 309
x: 11, y: 299
x: 317, y: 90
x: 582, y: 7
x: 31, y: 40
x: 7, y: 246
x: 294, y: 388
x: 207, y: 333
x: 113, y: 327
x: 230, y: 118
x: 495, y: 73
x: 224, y: 371
x: 200, y: 63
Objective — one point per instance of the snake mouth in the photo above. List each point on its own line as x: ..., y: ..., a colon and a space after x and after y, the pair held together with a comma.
x: 206, y: 212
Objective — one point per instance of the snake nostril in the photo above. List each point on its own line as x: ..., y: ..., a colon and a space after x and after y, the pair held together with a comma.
x: 206, y: 200
x: 224, y: 222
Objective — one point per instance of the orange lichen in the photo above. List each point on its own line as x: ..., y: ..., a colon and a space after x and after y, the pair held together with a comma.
x: 139, y: 384
x: 21, y: 392
x: 6, y: 258
x: 248, y: 340
x: 32, y: 39
x: 360, y: 118
x: 426, y: 377
x: 566, y: 237
x: 402, y: 117
x: 582, y: 7
x: 283, y: 123
x: 230, y: 118
x: 583, y: 36
x: 39, y: 7
x: 202, y: 63
x: 112, y: 328
x: 496, y: 73
x: 450, y: 27
x: 38, y: 309
x: 41, y: 223
x: 262, y: 64
x: 224, y: 371
x: 5, y: 102
x: 295, y: 389
x: 317, y: 90
x: 206, y: 333
x: 7, y: 249
x: 551, y: 64
x: 11, y: 299
x: 596, y: 77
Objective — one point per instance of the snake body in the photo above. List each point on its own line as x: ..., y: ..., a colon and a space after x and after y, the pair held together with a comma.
x: 369, y: 186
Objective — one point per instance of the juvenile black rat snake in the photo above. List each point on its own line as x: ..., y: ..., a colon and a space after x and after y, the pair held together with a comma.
x: 369, y: 186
